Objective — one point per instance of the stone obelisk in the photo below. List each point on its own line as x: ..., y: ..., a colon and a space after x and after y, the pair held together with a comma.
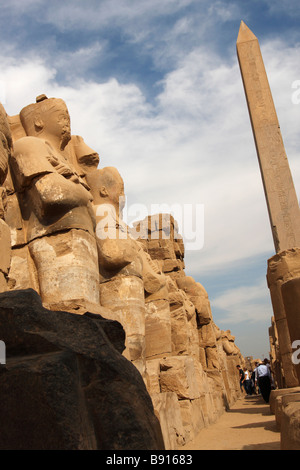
x: 283, y: 206
x: 282, y: 203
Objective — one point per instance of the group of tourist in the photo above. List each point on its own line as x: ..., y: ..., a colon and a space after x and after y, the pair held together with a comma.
x: 257, y: 381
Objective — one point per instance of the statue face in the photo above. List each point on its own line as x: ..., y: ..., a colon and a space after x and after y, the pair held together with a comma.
x: 107, y: 187
x: 4, y: 153
x: 116, y: 194
x: 57, y: 122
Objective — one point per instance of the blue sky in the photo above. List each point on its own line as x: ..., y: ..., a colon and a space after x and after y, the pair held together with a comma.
x: 155, y: 88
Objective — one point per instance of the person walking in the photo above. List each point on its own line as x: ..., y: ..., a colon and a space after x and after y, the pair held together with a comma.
x: 253, y: 386
x: 247, y: 382
x: 263, y: 379
x: 242, y: 376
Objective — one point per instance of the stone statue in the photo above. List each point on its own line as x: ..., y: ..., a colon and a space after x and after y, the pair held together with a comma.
x: 126, y: 270
x: 83, y: 158
x: 118, y: 251
x: 56, y: 209
x: 5, y: 240
x: 6, y: 144
x: 70, y: 243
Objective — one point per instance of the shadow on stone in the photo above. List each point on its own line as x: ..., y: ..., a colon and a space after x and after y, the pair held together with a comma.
x: 66, y: 385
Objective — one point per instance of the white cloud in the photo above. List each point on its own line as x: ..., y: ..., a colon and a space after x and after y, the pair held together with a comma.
x: 224, y: 10
x: 244, y: 304
x: 194, y: 145
x: 289, y: 7
x: 94, y: 14
x: 165, y: 31
x: 20, y: 7
x: 76, y: 63
x: 23, y: 79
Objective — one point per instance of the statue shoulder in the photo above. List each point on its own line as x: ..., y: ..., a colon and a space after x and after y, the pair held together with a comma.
x: 30, y: 159
x: 29, y: 145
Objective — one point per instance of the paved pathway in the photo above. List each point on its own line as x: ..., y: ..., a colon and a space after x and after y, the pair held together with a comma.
x: 247, y: 426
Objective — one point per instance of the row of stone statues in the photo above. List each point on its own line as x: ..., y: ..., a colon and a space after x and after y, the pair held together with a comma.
x: 62, y: 234
x: 55, y: 194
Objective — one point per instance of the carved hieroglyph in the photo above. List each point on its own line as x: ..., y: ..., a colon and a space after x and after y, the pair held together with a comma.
x: 279, y: 189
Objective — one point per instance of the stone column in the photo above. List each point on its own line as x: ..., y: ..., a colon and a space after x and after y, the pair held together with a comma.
x: 124, y: 297
x: 281, y: 268
x: 275, y: 357
x: 290, y: 291
x: 279, y: 188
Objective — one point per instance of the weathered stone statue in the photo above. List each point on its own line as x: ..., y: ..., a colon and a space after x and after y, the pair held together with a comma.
x: 5, y: 240
x: 71, y: 244
x: 190, y: 362
x: 82, y: 157
x: 126, y: 271
x: 56, y: 210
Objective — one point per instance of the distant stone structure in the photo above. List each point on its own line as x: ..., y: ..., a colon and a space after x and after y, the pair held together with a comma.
x: 283, y: 273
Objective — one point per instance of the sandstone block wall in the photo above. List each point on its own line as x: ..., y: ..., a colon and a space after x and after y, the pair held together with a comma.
x: 189, y: 360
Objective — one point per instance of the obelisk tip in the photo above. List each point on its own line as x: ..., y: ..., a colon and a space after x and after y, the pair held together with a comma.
x: 245, y: 34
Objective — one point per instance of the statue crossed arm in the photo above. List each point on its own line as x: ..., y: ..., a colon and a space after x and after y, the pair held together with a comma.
x: 56, y: 209
x: 53, y: 189
x: 118, y: 251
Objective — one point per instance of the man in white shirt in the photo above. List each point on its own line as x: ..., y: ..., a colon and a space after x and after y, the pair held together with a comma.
x: 247, y: 382
x: 263, y: 379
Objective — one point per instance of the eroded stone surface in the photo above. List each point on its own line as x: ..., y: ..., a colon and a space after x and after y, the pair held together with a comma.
x: 66, y: 384
x: 279, y: 188
x: 5, y: 236
x: 71, y: 245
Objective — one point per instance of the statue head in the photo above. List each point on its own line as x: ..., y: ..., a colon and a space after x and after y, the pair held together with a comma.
x: 5, y: 144
x: 47, y: 118
x: 107, y: 187
x: 87, y: 158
